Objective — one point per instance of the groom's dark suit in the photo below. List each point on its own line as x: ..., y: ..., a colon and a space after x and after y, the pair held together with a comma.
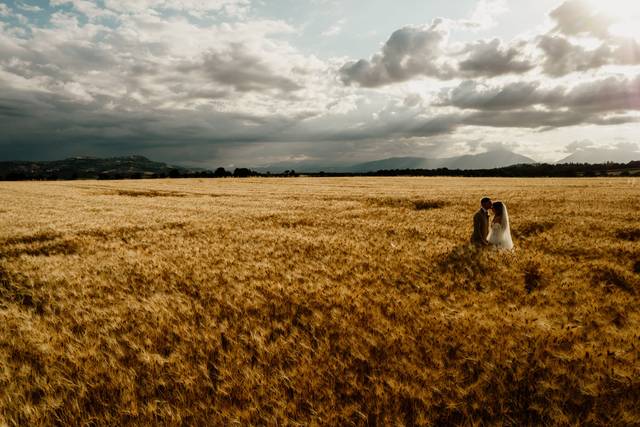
x: 480, y: 228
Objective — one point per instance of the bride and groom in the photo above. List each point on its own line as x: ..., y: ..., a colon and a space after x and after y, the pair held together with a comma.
x: 493, y: 232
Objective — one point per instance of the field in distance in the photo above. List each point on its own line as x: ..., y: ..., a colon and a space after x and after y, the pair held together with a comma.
x: 352, y: 301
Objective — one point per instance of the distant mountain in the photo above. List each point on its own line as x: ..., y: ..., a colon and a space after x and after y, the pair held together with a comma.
x: 87, y: 168
x: 394, y: 163
x: 489, y: 160
x: 601, y: 155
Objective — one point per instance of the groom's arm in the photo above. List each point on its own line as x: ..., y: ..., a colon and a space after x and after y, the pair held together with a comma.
x: 479, y: 225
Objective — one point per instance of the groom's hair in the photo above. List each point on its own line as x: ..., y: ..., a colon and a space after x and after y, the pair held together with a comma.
x: 485, y: 200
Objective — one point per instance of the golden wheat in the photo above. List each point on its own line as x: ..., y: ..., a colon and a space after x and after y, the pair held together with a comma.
x: 351, y: 301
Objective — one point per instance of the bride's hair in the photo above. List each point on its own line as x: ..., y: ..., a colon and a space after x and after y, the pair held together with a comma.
x: 498, y: 207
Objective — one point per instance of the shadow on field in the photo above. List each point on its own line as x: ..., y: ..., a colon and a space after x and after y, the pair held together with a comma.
x: 613, y: 276
x: 628, y: 234
x: 51, y: 243
x: 127, y: 232
x: 531, y: 229
x: 146, y: 193
x: 406, y: 203
x: 41, y: 244
x: 469, y: 267
x: 17, y: 289
x: 468, y: 263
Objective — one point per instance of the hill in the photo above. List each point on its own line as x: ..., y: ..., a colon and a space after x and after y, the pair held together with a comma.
x: 489, y: 160
x: 87, y: 168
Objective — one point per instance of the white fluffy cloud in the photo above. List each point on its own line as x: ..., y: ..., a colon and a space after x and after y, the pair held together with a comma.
x: 424, y: 52
x: 577, y: 17
x: 419, y: 52
x: 485, y: 14
x: 409, y: 52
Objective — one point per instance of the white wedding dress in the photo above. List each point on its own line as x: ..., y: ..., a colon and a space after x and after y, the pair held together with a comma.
x: 500, y: 233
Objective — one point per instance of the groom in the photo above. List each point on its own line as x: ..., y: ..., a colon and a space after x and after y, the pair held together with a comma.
x: 481, y: 223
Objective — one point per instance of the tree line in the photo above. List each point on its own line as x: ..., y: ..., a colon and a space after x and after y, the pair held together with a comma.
x: 569, y: 170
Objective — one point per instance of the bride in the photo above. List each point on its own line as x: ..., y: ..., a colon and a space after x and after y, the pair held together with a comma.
x: 500, y: 232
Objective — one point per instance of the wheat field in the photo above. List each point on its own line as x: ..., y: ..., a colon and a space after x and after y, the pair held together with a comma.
x: 333, y: 301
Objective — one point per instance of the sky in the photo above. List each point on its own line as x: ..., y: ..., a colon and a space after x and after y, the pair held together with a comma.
x: 248, y: 83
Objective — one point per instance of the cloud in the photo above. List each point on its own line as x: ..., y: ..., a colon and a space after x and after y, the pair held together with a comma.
x: 409, y: 52
x: 87, y: 8
x: 191, y: 80
x: 335, y: 29
x: 485, y: 13
x: 492, y: 58
x: 578, y: 17
x: 474, y: 95
x: 604, y: 102
x: 562, y: 57
x: 610, y: 94
x: 412, y: 100
x: 174, y: 64
x: 418, y: 52
x: 424, y: 52
x: 242, y: 70
x: 577, y: 24
x: 587, y: 151
x: 527, y: 119
x: 148, y: 81
x: 579, y: 146
x: 28, y: 7
x: 196, y: 8
x: 44, y: 125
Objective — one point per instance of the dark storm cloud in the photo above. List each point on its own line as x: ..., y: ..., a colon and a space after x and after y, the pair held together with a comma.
x: 45, y: 125
x: 73, y: 89
x: 40, y: 125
